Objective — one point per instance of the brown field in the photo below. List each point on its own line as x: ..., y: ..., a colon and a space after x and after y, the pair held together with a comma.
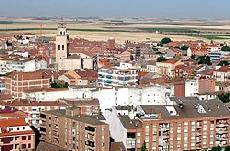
x: 121, y: 32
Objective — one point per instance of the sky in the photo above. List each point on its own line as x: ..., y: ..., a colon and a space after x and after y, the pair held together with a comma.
x: 191, y: 9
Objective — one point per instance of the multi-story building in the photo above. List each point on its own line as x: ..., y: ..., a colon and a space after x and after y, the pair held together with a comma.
x: 2, y: 86
x: 217, y: 55
x: 222, y: 74
x: 34, y: 108
x: 199, y: 86
x: 18, y: 82
x: 70, y: 130
x: 15, y: 133
x: 167, y: 67
x: 8, y: 65
x: 124, y: 75
x: 191, y: 87
x: 189, y: 124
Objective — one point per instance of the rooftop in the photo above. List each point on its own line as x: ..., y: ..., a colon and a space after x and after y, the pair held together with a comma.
x: 92, y: 120
x: 190, y: 107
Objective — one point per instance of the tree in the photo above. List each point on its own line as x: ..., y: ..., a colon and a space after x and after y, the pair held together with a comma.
x: 193, y: 57
x: 143, y: 147
x: 227, y: 148
x: 223, y: 63
x: 204, y: 60
x: 217, y: 148
x: 59, y: 85
x: 225, y: 48
x: 160, y: 59
x: 165, y: 40
x: 224, y: 97
x: 184, y: 48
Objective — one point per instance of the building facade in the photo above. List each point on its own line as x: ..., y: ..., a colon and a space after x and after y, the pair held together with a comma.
x: 72, y: 131
x: 18, y: 82
x: 189, y: 124
x: 15, y: 133
x: 119, y: 76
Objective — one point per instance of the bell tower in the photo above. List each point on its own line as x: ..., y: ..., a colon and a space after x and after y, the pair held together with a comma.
x: 62, y: 42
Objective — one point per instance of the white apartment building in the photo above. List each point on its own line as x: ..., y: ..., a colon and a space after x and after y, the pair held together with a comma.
x: 217, y: 55
x: 124, y: 75
x: 24, y: 64
x: 108, y: 97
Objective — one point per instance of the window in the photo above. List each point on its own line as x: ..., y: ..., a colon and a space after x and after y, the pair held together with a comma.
x: 29, y: 145
x: 23, y: 145
x: 23, y: 137
x: 59, y: 47
x: 63, y: 47
x: 29, y: 137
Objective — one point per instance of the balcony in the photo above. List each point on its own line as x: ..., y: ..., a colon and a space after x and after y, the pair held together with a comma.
x: 198, y: 139
x: 198, y: 145
x: 90, y: 143
x: 222, y: 130
x: 199, y: 125
x: 131, y: 143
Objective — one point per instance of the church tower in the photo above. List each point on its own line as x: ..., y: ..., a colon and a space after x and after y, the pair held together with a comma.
x: 62, y: 42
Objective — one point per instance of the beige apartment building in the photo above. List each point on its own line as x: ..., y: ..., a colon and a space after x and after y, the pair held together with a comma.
x: 70, y: 130
x: 190, y: 124
x: 18, y: 82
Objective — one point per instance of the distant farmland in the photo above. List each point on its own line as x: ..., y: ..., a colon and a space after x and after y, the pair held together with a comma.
x: 123, y: 31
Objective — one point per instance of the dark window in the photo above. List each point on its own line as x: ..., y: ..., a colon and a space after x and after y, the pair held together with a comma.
x: 23, y: 145
x: 29, y: 137
x: 23, y: 137
x: 29, y: 145
x: 89, y: 128
x: 42, y: 116
x: 59, y: 47
x: 7, y: 147
x: 43, y: 129
x: 63, y: 47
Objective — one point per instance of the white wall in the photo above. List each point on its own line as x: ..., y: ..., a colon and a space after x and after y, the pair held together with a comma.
x: 191, y: 88
x: 117, y: 130
x: 154, y: 95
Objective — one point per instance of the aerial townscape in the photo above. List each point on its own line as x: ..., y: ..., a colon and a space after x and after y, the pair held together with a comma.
x: 114, y: 83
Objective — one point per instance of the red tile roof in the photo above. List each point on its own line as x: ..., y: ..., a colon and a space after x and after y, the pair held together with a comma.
x: 40, y: 74
x: 12, y: 122
x: 170, y: 61
x: 224, y: 69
